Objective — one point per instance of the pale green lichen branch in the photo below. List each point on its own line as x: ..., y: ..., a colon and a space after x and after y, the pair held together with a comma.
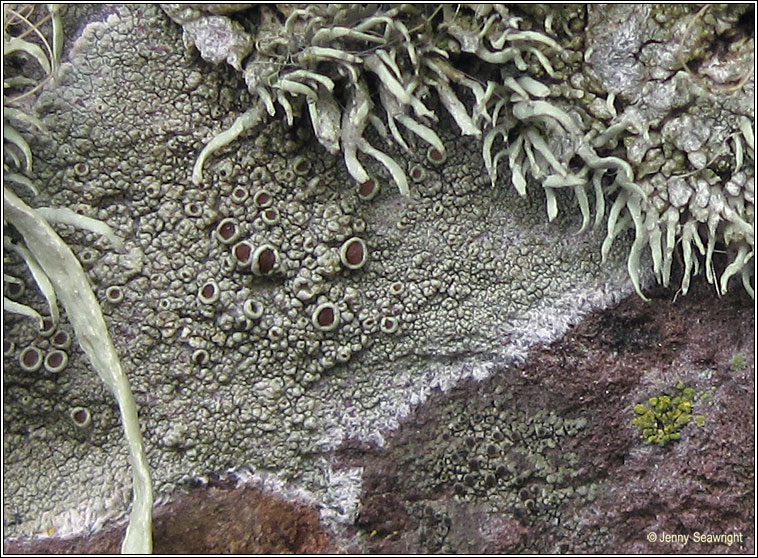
x: 19, y: 45
x: 12, y: 135
x: 21, y: 309
x: 22, y: 180
x: 57, y: 25
x: 40, y: 277
x: 75, y: 293
x: 246, y: 121
x: 65, y: 216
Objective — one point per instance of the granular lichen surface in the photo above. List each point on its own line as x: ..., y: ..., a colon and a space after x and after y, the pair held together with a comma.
x: 277, y: 308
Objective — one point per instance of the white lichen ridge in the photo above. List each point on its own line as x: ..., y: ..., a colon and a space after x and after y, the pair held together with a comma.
x: 410, y: 53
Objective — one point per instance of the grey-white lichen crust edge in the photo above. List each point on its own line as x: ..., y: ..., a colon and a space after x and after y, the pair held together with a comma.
x: 473, y: 274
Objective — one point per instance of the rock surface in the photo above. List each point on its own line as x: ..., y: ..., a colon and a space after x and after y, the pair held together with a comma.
x: 279, y: 318
x: 603, y: 366
x: 603, y: 488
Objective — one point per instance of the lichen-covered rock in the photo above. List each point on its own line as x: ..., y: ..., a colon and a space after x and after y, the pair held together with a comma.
x: 564, y: 109
x: 280, y: 305
x: 546, y: 457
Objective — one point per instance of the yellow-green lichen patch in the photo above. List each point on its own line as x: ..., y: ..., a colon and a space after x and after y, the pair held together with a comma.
x: 662, y: 418
x: 739, y: 363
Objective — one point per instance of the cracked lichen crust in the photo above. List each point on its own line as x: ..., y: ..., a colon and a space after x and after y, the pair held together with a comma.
x: 620, y: 115
x: 276, y: 308
x: 268, y: 315
x: 502, y: 456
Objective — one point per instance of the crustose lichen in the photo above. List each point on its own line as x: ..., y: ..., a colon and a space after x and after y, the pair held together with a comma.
x: 53, y: 265
x: 663, y: 417
x: 353, y: 69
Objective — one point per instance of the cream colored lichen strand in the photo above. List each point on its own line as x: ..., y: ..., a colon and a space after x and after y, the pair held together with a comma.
x: 298, y: 64
x: 75, y: 294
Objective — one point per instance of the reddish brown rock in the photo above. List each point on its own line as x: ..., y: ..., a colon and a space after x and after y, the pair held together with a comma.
x: 701, y: 484
x: 215, y: 519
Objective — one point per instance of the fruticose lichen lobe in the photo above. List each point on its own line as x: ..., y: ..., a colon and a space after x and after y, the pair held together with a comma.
x: 304, y: 344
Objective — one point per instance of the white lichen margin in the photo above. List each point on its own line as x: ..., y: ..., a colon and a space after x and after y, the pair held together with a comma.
x: 75, y: 294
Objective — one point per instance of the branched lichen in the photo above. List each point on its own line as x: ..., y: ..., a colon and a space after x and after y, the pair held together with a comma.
x: 56, y: 270
x: 289, y: 299
x: 72, y: 287
x: 411, y: 51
